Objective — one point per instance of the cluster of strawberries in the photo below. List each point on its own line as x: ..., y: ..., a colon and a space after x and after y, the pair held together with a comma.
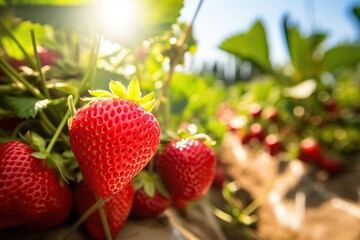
x: 113, y: 138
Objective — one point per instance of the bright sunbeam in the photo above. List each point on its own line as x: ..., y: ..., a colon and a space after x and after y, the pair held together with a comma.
x: 119, y: 16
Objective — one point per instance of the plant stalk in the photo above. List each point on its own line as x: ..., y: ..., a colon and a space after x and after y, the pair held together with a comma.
x: 85, y: 216
x: 104, y: 221
x: 38, y: 65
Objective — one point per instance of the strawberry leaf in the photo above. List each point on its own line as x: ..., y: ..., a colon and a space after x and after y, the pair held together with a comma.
x: 24, y: 107
x: 118, y: 89
x: 149, y: 189
x: 134, y: 92
x: 100, y: 93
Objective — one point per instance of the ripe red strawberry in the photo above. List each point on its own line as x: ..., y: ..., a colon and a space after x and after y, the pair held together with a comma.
x: 187, y: 167
x: 255, y: 110
x: 117, y: 210
x: 146, y: 207
x: 29, y: 189
x: 151, y: 196
x: 57, y: 216
x: 330, y: 164
x: 114, y: 138
x: 273, y: 144
x: 48, y: 57
x: 219, y: 177
x: 256, y: 131
x: 309, y: 150
x: 179, y: 203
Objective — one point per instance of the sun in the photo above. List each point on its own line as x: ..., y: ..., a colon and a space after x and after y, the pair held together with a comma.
x: 119, y: 17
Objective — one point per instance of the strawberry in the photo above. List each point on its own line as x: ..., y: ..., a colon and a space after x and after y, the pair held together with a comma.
x: 273, y: 144
x: 330, y: 164
x: 187, y: 167
x: 179, y: 203
x: 114, y: 137
x: 219, y: 177
x: 47, y: 57
x: 57, y: 216
x: 117, y: 210
x: 255, y: 110
x: 309, y: 150
x: 151, y: 197
x: 29, y: 189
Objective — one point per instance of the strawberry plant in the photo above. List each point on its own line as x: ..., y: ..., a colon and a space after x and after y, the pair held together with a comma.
x: 73, y: 117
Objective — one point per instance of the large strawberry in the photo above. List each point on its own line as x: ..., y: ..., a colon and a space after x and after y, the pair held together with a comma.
x: 59, y: 215
x: 151, y: 196
x: 117, y: 210
x: 114, y: 137
x: 29, y: 189
x: 187, y: 167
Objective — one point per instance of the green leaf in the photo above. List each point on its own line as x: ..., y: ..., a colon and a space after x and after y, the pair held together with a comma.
x: 22, y: 34
x: 149, y: 189
x: 24, y: 107
x: 100, y: 93
x: 356, y: 12
x: 118, y: 89
x: 251, y: 45
x: 341, y: 56
x: 38, y: 155
x: 134, y: 92
x: 301, y: 49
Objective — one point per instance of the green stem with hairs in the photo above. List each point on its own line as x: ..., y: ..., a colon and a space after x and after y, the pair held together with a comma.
x: 38, y: 65
x: 17, y: 78
x: 82, y: 219
x: 104, y: 221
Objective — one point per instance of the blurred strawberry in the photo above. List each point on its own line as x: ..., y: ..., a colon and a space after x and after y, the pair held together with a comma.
x: 271, y: 114
x: 179, y: 203
x: 273, y: 144
x: 48, y: 57
x: 255, y: 110
x: 330, y: 164
x: 309, y: 150
x: 256, y: 131
x: 219, y: 177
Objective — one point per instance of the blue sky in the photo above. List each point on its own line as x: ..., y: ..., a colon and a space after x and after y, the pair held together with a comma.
x: 219, y: 19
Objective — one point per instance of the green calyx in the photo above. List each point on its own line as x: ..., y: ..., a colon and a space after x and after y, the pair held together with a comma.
x: 64, y: 165
x: 119, y: 91
x: 151, y: 182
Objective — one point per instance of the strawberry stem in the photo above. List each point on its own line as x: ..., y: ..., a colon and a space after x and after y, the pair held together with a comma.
x: 38, y: 65
x: 17, y: 78
x: 104, y: 221
x: 82, y: 219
